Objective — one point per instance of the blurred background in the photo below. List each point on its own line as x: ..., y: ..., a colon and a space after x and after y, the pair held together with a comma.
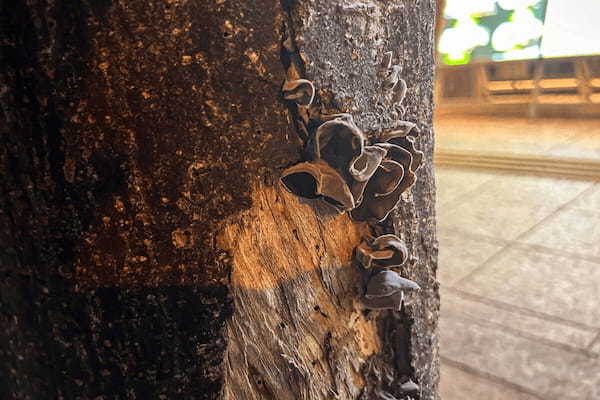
x: 518, y: 175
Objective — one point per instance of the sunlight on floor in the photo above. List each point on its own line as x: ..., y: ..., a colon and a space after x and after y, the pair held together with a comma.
x: 519, y: 269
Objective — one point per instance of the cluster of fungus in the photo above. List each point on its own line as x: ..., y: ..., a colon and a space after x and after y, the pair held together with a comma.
x: 365, y: 176
x: 362, y: 175
x: 385, y: 289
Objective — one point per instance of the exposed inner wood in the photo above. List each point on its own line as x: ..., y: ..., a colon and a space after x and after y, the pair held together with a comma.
x: 297, y: 331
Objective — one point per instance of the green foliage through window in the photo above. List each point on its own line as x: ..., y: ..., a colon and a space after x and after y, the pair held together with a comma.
x: 491, y: 30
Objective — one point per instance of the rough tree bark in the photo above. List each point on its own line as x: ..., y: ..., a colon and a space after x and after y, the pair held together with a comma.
x: 146, y: 247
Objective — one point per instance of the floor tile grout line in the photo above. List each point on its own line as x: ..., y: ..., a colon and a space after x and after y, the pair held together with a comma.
x: 491, y: 377
x: 595, y: 340
x: 485, y: 263
x: 481, y: 266
x: 479, y: 236
x: 455, y: 202
x: 525, y: 336
x: 560, y: 208
x: 538, y: 247
x: 511, y: 307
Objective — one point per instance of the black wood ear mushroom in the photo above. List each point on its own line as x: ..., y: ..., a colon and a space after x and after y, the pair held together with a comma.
x: 385, y: 291
x: 316, y: 179
x: 386, y: 251
x: 344, y: 168
x: 341, y: 167
x: 394, y: 175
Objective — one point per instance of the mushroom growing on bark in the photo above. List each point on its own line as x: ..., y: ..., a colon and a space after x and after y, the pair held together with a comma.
x: 386, y: 251
x: 342, y: 169
x: 394, y: 175
x: 409, y: 386
x: 385, y: 291
x: 339, y: 165
x: 317, y: 179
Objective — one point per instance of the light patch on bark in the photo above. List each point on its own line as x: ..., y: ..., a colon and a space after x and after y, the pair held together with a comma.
x: 297, y: 331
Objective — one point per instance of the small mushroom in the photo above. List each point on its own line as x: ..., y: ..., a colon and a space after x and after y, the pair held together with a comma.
x: 300, y: 91
x: 409, y: 386
x: 365, y: 164
x: 362, y: 169
x: 338, y: 142
x: 385, y: 290
x: 382, y: 193
x: 389, y: 176
x: 408, y: 144
x: 317, y: 179
x: 408, y: 162
x: 366, y: 255
x: 386, y: 283
x: 402, y: 129
x: 393, y: 177
x: 391, y: 243
x: 391, y: 80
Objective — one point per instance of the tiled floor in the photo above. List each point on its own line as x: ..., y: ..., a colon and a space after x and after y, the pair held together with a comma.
x: 552, y: 137
x: 520, y: 276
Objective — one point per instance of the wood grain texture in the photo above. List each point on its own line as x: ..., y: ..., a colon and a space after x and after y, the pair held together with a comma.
x: 297, y: 332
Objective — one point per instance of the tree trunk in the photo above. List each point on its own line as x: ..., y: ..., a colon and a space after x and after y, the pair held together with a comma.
x: 147, y: 249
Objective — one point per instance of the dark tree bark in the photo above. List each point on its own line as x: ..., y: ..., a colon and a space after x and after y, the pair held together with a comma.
x: 146, y: 247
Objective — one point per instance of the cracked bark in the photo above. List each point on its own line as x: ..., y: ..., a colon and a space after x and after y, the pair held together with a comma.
x: 146, y: 248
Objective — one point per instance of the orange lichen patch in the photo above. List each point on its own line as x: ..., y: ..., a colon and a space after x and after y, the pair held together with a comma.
x: 281, y: 237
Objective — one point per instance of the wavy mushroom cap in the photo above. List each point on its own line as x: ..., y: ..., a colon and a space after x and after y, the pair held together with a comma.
x: 338, y: 142
x: 382, y: 193
x: 366, y: 255
x: 387, y: 283
x: 364, y: 165
x: 392, y: 178
x: 317, y: 179
x: 408, y: 144
x: 396, y: 246
x: 409, y: 386
x: 402, y: 129
x: 363, y: 168
x: 386, y: 251
x: 388, y: 177
x: 300, y: 91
